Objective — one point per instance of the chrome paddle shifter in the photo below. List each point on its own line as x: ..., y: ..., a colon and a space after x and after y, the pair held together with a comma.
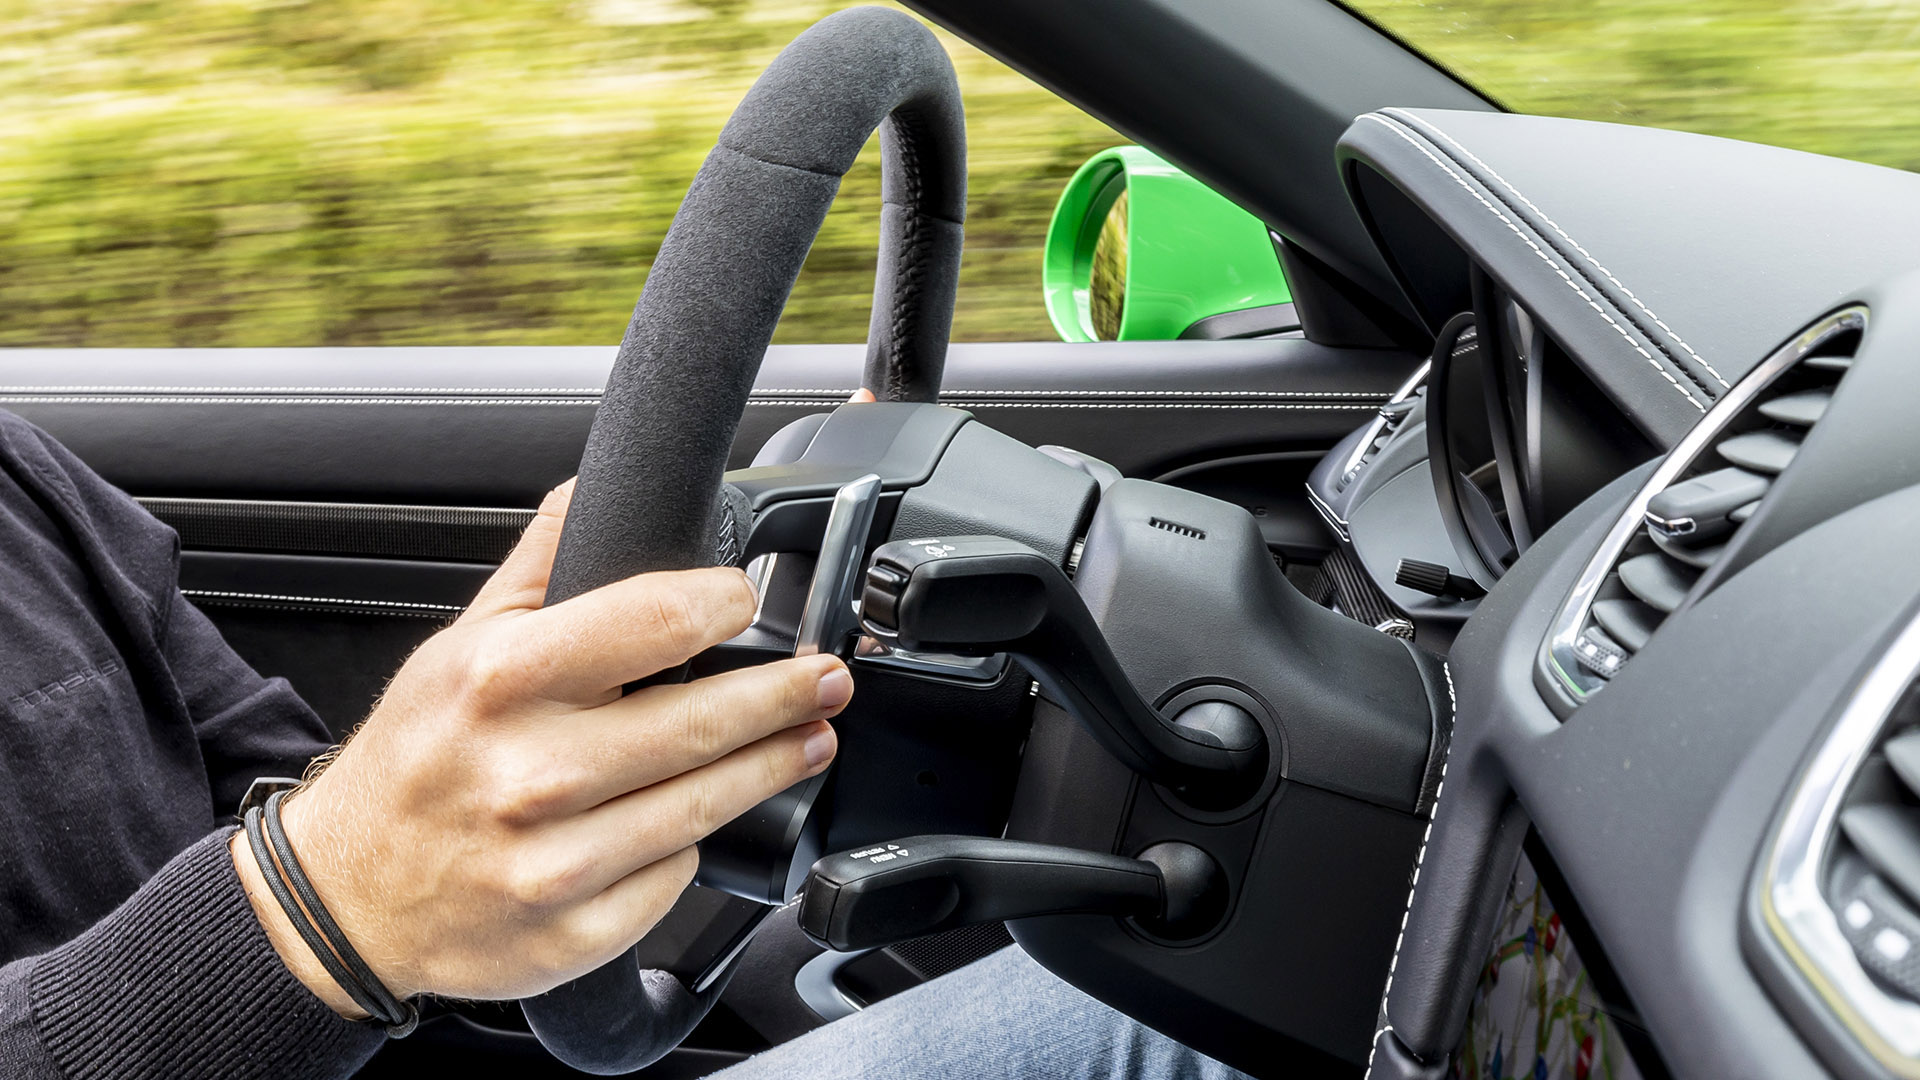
x: 830, y: 614
x: 764, y: 853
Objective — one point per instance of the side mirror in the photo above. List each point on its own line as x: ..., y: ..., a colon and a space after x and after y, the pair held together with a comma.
x: 1140, y: 251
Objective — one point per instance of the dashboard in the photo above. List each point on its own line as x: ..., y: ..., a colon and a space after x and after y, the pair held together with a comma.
x: 1678, y: 831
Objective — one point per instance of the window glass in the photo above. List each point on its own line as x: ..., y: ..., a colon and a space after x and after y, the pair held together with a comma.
x: 389, y: 172
x: 1835, y: 77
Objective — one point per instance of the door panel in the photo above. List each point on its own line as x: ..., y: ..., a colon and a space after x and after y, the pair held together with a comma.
x: 338, y: 505
x: 497, y: 427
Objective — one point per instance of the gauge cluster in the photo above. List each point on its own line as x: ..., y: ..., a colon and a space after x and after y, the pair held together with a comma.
x: 1491, y: 442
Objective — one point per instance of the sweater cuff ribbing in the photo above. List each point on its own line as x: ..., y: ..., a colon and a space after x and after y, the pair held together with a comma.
x: 180, y: 980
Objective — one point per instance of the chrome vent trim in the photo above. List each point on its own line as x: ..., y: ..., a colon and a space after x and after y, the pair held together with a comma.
x: 1561, y: 652
x: 1792, y: 902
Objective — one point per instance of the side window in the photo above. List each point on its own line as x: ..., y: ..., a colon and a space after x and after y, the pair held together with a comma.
x: 401, y: 172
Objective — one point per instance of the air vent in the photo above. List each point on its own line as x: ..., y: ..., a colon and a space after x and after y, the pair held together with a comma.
x: 1840, y: 887
x: 1876, y: 881
x: 1394, y: 415
x: 1177, y: 529
x: 1688, y: 524
x: 1711, y: 484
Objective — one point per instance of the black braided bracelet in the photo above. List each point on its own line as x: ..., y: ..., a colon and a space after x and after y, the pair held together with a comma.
x: 321, y: 933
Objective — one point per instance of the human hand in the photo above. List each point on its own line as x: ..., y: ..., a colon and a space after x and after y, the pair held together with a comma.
x: 506, y: 820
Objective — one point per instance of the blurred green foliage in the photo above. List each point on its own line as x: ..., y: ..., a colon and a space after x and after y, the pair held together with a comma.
x: 295, y: 172
x: 383, y: 172
x: 1831, y: 76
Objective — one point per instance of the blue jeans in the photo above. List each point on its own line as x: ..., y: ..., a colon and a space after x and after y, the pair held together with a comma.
x: 1003, y: 1018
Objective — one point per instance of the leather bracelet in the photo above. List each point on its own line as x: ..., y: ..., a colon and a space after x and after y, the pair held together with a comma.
x: 316, y: 926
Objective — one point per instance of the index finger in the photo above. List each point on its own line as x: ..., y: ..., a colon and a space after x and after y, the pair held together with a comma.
x: 585, y: 649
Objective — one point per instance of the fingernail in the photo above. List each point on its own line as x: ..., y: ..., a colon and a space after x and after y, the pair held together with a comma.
x: 820, y: 747
x: 836, y: 688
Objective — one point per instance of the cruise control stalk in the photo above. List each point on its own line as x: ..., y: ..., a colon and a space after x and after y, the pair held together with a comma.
x: 919, y: 885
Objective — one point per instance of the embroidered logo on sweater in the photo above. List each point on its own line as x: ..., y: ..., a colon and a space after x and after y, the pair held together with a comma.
x: 65, y: 685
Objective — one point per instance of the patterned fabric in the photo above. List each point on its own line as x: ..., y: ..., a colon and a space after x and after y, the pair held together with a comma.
x: 1536, y: 1015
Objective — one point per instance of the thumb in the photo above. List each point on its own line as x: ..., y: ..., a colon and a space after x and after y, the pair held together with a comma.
x: 521, y: 582
x: 861, y: 396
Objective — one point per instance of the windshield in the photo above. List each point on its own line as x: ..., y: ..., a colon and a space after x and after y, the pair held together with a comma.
x: 1835, y: 77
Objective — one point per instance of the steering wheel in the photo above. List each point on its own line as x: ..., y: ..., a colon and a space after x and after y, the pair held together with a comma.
x: 651, y: 494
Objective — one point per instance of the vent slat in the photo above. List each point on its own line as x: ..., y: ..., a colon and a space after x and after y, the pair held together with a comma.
x: 1767, y: 452
x: 1903, y: 753
x: 1629, y: 622
x: 1658, y: 580
x: 1888, y: 836
x: 1803, y: 409
x: 1698, y: 557
x: 1688, y: 525
x: 1696, y: 511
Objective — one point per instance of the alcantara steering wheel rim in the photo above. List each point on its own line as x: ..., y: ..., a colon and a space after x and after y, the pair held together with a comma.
x: 659, y: 444
x: 650, y: 494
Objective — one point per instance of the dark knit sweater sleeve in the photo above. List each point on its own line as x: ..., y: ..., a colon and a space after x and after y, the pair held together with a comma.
x: 178, y: 981
x: 246, y: 725
x: 143, y: 732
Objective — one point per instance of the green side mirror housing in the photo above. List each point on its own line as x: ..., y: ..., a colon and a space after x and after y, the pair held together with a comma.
x: 1140, y: 251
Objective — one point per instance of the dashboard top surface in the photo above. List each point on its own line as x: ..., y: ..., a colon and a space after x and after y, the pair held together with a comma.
x: 1657, y: 796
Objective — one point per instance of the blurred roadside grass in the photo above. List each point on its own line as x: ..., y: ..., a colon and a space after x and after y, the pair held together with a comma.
x: 387, y: 172
x: 368, y: 172
x: 1837, y: 77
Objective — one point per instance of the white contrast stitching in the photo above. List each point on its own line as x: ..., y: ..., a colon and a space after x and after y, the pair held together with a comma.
x: 213, y: 594
x: 1375, y: 1048
x: 384, y: 392
x: 1419, y: 862
x: 1504, y: 182
x: 1544, y: 257
x: 309, y: 609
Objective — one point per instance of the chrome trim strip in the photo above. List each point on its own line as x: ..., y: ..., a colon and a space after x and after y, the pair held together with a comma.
x: 828, y: 616
x: 969, y: 669
x: 1792, y: 903
x: 1334, y: 521
x: 1557, y: 651
x: 1380, y: 421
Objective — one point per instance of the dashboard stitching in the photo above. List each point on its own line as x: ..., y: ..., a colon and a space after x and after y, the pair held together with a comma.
x: 1419, y: 862
x: 1584, y: 253
x: 1544, y: 257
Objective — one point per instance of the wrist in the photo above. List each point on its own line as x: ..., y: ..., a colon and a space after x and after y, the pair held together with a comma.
x: 286, y: 941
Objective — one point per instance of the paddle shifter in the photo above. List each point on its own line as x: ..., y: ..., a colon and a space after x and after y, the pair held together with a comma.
x: 973, y: 595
